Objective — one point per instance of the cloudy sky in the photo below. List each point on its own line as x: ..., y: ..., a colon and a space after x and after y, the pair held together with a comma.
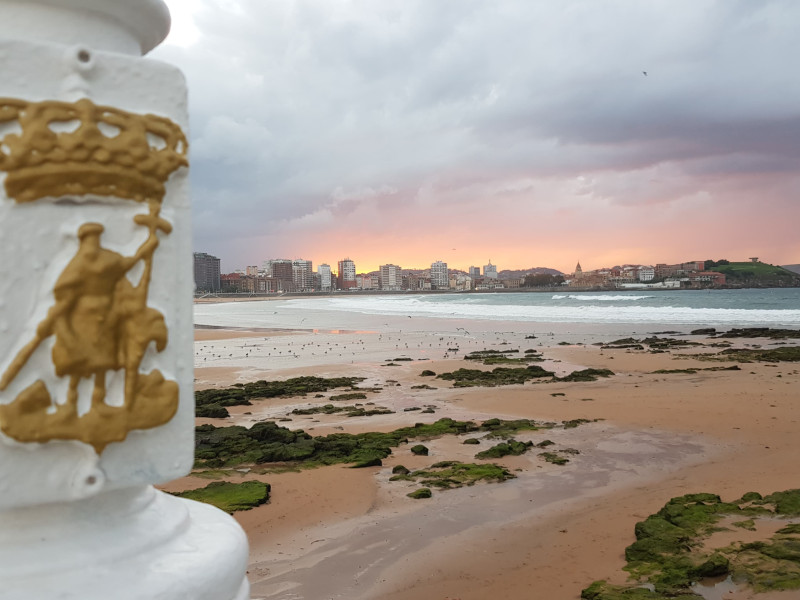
x: 521, y: 131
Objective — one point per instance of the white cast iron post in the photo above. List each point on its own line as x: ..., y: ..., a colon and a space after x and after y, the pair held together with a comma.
x: 96, y: 280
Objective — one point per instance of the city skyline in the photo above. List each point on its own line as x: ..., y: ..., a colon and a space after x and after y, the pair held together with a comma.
x: 297, y: 276
x: 587, y: 265
x: 531, y: 132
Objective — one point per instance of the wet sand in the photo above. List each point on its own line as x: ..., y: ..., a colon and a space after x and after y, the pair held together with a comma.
x: 350, y: 533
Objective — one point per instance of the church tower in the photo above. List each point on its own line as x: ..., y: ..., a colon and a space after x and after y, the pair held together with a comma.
x: 578, y: 271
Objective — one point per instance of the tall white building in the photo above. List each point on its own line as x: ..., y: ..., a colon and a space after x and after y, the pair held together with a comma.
x: 390, y: 277
x: 303, y: 275
x: 440, y: 278
x: 490, y: 271
x: 324, y: 272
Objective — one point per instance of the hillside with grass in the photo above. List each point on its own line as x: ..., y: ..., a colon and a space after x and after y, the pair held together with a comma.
x: 754, y: 274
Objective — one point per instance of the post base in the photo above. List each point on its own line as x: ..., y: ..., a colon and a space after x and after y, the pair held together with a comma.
x: 129, y: 544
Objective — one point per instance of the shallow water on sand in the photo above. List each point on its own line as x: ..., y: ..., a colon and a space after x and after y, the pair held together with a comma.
x: 350, y: 559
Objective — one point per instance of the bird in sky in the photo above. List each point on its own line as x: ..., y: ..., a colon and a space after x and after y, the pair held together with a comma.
x: 644, y: 73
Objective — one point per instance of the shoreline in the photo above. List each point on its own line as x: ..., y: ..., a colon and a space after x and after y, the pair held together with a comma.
x: 356, y: 531
x: 221, y: 297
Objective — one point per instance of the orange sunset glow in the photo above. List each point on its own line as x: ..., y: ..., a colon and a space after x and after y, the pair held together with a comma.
x: 531, y: 134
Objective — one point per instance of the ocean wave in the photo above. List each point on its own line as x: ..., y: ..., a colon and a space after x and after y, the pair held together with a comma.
x: 552, y: 313
x: 604, y: 298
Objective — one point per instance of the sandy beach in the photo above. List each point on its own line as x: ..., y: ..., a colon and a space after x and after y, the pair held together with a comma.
x: 336, y: 532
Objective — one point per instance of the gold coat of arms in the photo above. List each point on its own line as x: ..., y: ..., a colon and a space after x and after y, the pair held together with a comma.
x: 100, y: 321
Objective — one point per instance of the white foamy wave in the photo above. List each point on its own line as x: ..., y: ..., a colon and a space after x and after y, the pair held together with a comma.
x: 604, y: 298
x: 555, y: 313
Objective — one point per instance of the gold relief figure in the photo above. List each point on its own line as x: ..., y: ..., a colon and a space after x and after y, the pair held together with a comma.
x: 100, y: 321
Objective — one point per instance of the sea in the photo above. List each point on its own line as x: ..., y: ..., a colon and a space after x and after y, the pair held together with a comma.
x: 563, y: 311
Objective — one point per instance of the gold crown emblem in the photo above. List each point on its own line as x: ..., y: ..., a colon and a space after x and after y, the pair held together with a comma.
x: 80, y: 148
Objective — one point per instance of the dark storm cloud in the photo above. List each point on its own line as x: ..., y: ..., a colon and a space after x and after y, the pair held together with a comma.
x: 306, y: 107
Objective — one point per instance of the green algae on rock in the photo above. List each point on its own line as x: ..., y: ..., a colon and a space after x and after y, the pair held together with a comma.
x: 749, y: 355
x: 451, y: 474
x: 230, y: 497
x: 212, y: 402
x: 495, y: 377
x: 419, y: 450
x: 669, y: 556
x: 420, y: 493
x: 351, y: 411
x: 507, y: 448
x: 585, y: 375
x: 267, y: 442
x: 554, y: 458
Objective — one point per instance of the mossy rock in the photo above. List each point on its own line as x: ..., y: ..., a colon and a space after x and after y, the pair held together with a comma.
x: 230, y: 497
x: 554, y: 458
x: 372, y: 462
x: 451, y: 474
x: 268, y: 442
x: 400, y: 470
x: 786, y: 503
x: 745, y: 355
x: 585, y: 375
x: 420, y: 493
x: 511, y: 447
x: 211, y: 411
x: 495, y: 377
x: 715, y: 566
x: 427, y: 373
x: 419, y: 450
x: 348, y: 396
x: 471, y: 441
x: 242, y: 394
x: 668, y: 553
x: 793, y: 529
x: 500, y: 428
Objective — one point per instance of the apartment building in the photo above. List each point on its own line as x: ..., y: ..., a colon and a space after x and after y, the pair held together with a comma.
x: 206, y: 272
x: 346, y: 278
x: 390, y: 277
x: 440, y: 278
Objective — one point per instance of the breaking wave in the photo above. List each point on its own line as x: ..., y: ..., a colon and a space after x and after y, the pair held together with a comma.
x: 604, y: 298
